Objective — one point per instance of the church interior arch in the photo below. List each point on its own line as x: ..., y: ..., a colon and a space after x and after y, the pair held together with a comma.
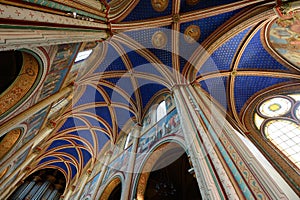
x: 125, y: 76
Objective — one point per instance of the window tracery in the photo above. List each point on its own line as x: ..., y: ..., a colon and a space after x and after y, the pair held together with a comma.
x: 278, y: 119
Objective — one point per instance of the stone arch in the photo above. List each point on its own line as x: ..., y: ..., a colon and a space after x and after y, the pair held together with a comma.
x: 108, y: 189
x: 150, y: 161
x: 33, y: 67
x: 9, y: 140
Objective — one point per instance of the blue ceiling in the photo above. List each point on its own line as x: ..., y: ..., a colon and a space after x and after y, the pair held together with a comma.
x: 113, y: 95
x: 144, y: 10
x: 202, y: 4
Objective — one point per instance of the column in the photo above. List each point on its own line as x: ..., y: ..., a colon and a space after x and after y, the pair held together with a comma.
x: 68, y: 192
x: 127, y: 186
x: 251, y: 170
x: 211, y: 176
x: 70, y: 23
x: 20, y: 168
x: 12, y: 186
x: 83, y: 181
x: 108, y: 155
x: 7, y: 126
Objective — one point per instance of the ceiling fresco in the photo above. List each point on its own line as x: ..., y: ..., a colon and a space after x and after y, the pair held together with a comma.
x: 156, y: 46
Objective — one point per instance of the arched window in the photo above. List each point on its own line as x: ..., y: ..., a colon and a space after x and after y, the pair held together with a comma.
x: 161, y: 110
x: 83, y: 55
x: 278, y: 118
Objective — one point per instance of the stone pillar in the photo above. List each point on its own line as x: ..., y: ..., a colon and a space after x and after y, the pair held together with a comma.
x: 82, y: 183
x: 62, y: 26
x: 9, y: 188
x: 211, y: 176
x: 7, y: 192
x: 244, y: 160
x: 107, y: 155
x: 7, y: 126
x: 127, y: 186
x: 67, y: 193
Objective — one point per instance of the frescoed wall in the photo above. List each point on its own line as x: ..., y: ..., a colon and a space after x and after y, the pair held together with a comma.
x: 167, y: 126
x: 90, y: 188
x: 60, y: 66
x: 118, y: 164
x: 34, y: 124
x: 14, y: 165
x: 284, y: 37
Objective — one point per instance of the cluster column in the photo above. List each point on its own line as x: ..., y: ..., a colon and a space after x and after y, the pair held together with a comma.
x: 209, y: 171
x: 103, y: 171
x: 130, y: 167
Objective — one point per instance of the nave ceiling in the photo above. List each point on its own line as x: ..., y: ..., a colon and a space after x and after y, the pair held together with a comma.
x: 149, y: 53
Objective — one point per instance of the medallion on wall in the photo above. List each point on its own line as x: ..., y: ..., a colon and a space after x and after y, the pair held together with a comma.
x: 159, y: 5
x: 159, y: 39
x: 192, y: 34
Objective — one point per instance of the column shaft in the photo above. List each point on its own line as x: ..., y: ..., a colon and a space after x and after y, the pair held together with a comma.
x: 82, y: 183
x: 251, y: 170
x: 11, y: 188
x: 103, y: 171
x: 208, y: 168
x: 16, y: 171
x: 130, y: 168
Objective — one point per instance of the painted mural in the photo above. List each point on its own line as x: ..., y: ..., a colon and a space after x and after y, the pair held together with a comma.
x: 90, y: 188
x: 118, y: 164
x: 169, y: 125
x: 60, y: 66
x: 166, y: 127
x: 119, y: 146
x: 284, y: 38
x: 34, y: 124
x: 80, y: 68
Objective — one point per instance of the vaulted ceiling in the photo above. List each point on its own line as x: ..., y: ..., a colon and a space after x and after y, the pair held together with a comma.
x: 149, y: 53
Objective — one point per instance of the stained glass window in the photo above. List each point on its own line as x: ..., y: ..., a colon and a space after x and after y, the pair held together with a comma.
x: 278, y: 119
